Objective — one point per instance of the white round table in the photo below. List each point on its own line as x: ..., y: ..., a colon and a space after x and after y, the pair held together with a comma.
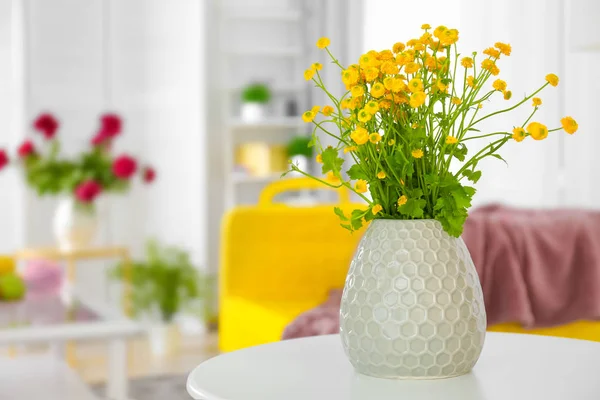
x: 511, y: 367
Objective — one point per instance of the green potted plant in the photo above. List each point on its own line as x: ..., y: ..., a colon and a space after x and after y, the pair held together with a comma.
x: 300, y: 151
x: 255, y: 98
x: 163, y: 285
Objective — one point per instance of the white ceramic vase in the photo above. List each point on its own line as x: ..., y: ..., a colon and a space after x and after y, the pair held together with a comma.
x: 253, y: 112
x: 412, y: 306
x: 162, y: 338
x: 74, y: 225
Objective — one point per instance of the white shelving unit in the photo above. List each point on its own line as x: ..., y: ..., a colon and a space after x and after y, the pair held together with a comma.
x: 262, y: 41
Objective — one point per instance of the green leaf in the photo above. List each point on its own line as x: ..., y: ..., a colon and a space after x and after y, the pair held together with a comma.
x: 356, y: 172
x: 499, y: 157
x: 338, y: 211
x: 460, y: 152
x: 331, y: 160
x: 473, y: 176
x: 356, y: 219
x: 413, y: 208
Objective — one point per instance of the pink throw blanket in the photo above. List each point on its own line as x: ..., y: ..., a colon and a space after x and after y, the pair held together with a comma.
x: 537, y: 267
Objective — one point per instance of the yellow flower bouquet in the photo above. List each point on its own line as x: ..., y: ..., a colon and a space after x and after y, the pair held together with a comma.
x: 407, y: 114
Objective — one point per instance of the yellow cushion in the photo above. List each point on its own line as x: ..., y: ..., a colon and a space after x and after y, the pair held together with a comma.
x: 250, y: 323
x: 586, y: 330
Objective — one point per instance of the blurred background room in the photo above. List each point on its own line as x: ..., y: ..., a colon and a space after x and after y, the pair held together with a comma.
x: 166, y: 120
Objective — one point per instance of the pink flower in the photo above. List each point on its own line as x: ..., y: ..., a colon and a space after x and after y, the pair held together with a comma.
x: 149, y: 175
x: 26, y: 149
x: 111, y: 125
x: 100, y: 138
x: 47, y: 125
x: 3, y: 159
x: 124, y: 166
x: 87, y: 191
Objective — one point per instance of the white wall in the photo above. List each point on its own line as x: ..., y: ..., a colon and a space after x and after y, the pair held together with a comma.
x: 534, y: 28
x: 143, y: 59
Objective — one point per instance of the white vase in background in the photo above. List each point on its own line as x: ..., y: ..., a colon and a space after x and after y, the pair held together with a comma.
x: 163, y: 339
x: 412, y: 306
x: 74, y: 225
x: 253, y: 112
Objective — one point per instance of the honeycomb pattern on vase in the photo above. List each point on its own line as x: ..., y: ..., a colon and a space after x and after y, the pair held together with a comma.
x: 412, y: 305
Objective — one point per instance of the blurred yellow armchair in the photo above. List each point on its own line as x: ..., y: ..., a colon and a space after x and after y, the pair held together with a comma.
x: 278, y: 261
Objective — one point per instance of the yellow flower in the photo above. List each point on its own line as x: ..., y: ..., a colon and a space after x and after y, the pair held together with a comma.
x: 357, y: 91
x: 499, y: 85
x: 412, y: 42
x: 319, y: 158
x: 492, y: 52
x: 425, y: 26
x: 417, y: 99
x: 471, y: 81
x: 374, y: 138
x: 569, y: 125
x: 388, y: 82
x: 419, y: 46
x: 402, y: 200
x: 552, y: 79
x: 391, y: 142
x: 451, y: 140
x: 389, y: 68
x: 439, y: 30
x: 537, y: 131
x: 404, y: 58
x: 327, y: 111
x: 481, y: 105
x: 355, y: 103
x: 411, y: 67
x: 415, y: 85
x: 365, y: 60
x: 349, y: 76
x: 456, y: 100
x: 507, y: 94
x: 381, y: 175
x: 360, y: 135
x: 376, y: 209
x: 350, y: 149
x: 360, y: 186
x: 317, y: 66
x: 398, y: 47
x: 441, y: 87
x: 448, y: 37
x: 467, y: 62
x: 414, y: 125
x: 371, y: 73
x: 377, y: 90
x: 364, y: 115
x: 490, y: 65
x: 345, y: 104
x: 308, y: 116
x: 372, y: 107
x: 315, y: 110
x: 536, y: 102
x: 398, y: 85
x: 309, y: 73
x: 385, y: 55
x: 323, y: 42
x: 504, y: 48
x: 385, y: 104
x: 417, y: 153
x: 519, y: 134
x: 332, y: 178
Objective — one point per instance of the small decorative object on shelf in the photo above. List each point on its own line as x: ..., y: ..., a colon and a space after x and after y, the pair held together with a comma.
x: 262, y: 159
x: 300, y: 153
x: 291, y: 108
x: 12, y: 291
x: 412, y: 305
x: 255, y: 98
x: 163, y: 285
x: 78, y: 181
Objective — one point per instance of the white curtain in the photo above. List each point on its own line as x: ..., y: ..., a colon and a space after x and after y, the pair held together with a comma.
x: 557, y: 171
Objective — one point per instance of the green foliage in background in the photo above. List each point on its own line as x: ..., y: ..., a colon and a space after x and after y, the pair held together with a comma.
x: 256, y: 93
x: 51, y: 175
x: 300, y: 146
x: 166, y: 281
